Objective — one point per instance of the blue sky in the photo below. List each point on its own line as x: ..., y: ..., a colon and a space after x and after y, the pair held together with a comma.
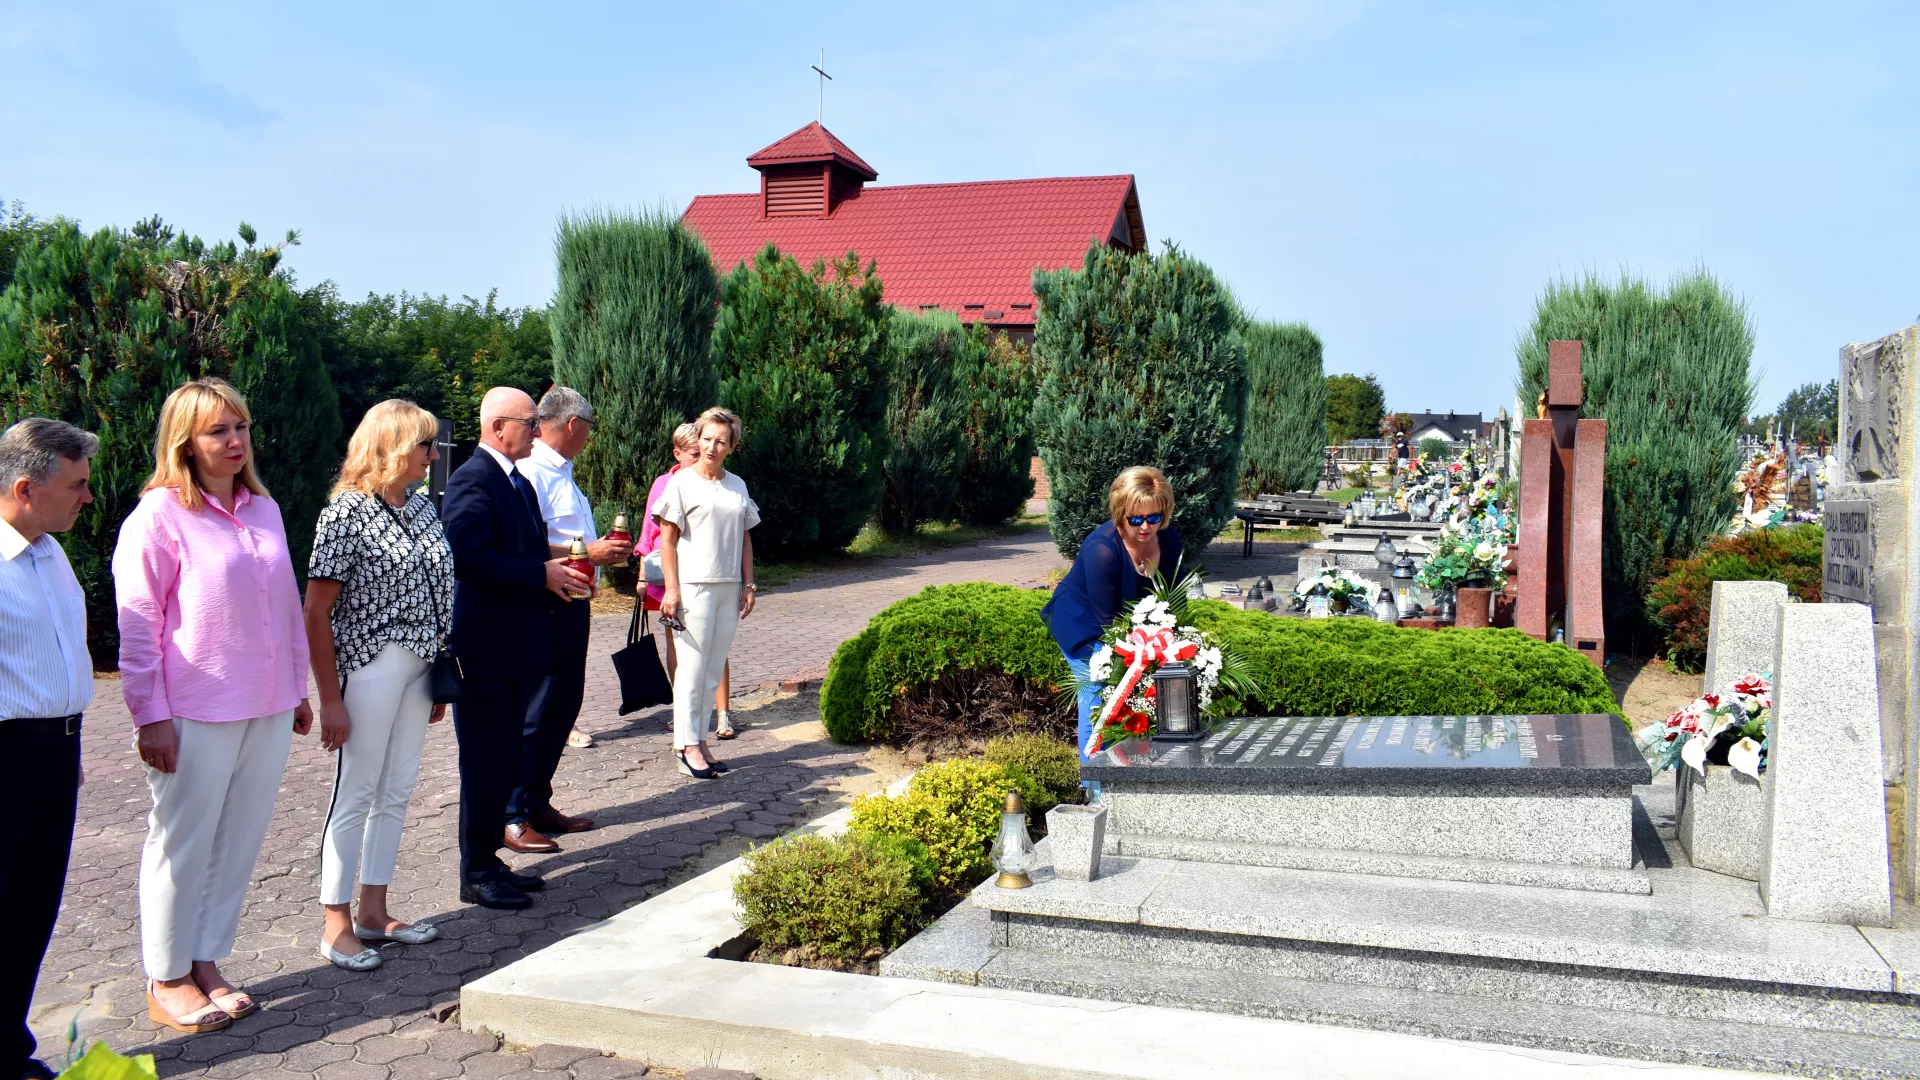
x: 1404, y: 177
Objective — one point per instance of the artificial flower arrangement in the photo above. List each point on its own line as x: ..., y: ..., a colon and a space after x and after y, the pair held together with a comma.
x: 1151, y: 632
x: 1344, y: 588
x: 1469, y: 549
x: 1728, y: 728
x: 1762, y: 487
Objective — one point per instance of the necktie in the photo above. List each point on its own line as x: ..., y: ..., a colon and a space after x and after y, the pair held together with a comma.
x: 526, y: 496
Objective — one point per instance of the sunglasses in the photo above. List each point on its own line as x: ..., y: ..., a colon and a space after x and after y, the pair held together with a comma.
x: 1136, y: 520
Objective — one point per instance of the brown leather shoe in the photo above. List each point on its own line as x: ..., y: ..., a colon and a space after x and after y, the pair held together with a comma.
x: 557, y: 823
x: 523, y: 838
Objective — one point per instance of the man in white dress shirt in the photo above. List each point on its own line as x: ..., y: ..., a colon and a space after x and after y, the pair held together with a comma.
x: 566, y: 420
x: 46, y: 681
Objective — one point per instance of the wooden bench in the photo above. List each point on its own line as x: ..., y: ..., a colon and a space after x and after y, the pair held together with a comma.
x: 1284, y: 510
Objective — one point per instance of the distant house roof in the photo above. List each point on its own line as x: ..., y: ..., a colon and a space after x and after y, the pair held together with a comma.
x: 968, y: 248
x: 1454, y: 427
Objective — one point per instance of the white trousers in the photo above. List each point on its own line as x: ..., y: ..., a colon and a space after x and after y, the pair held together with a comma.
x: 712, y: 616
x: 209, y: 816
x: 388, y: 702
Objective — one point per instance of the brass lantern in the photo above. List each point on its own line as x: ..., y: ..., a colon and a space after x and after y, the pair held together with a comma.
x: 1013, y: 852
x: 1176, y: 712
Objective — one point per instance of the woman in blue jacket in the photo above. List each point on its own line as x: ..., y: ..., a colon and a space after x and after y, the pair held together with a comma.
x: 1115, y: 566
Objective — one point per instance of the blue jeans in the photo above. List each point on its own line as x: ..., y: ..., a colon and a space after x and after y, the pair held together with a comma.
x: 1087, y: 699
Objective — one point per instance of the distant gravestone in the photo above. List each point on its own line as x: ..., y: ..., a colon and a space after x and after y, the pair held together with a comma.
x: 1871, y: 526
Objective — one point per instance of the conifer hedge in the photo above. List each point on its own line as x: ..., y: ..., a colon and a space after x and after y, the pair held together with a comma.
x: 1142, y: 363
x: 632, y: 322
x: 926, y: 418
x: 997, y: 479
x: 1668, y: 370
x: 803, y: 358
x: 97, y: 330
x: 1286, y: 408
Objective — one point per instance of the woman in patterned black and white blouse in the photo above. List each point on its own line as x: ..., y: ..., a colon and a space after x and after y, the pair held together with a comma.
x: 379, y: 603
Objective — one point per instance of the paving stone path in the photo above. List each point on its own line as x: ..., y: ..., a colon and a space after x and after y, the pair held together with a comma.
x: 319, y: 1021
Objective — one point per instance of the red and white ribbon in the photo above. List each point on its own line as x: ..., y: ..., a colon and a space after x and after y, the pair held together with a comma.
x: 1140, y: 648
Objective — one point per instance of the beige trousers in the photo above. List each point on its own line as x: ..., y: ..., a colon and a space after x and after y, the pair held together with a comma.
x: 712, y: 616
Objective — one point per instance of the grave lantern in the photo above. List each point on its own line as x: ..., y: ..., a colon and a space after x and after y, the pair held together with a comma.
x: 1013, y: 848
x: 1384, y: 552
x: 1174, y: 708
x: 1384, y: 608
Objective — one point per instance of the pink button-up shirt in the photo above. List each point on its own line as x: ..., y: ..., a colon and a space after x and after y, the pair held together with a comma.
x: 210, y: 625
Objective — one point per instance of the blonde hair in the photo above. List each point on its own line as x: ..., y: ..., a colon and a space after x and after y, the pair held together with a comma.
x: 188, y: 411
x: 378, y: 452
x: 1140, y: 484
x: 686, y: 436
x: 718, y: 415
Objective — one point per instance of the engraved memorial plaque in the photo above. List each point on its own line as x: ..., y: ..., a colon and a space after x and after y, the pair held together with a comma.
x: 1847, y: 562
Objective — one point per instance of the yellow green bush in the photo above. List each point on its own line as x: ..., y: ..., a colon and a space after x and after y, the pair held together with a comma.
x: 845, y: 895
x: 953, y: 808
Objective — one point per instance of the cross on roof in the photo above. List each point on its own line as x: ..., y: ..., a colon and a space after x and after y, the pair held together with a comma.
x: 820, y: 69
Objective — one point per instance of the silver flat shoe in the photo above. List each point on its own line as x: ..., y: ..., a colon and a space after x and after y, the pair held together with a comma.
x: 364, y: 960
x: 417, y: 934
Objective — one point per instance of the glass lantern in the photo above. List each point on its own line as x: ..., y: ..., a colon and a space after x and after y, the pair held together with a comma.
x: 1384, y: 608
x: 1013, y: 848
x: 1384, y: 552
x: 1176, y: 713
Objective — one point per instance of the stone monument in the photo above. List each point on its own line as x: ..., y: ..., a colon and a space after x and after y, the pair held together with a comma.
x: 1563, y: 461
x: 1873, y: 525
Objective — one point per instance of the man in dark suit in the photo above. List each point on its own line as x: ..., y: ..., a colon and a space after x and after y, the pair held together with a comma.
x: 506, y: 593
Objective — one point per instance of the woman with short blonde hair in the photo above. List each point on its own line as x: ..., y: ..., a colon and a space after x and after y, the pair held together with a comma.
x: 686, y: 449
x: 381, y: 550
x: 213, y: 660
x: 1116, y: 566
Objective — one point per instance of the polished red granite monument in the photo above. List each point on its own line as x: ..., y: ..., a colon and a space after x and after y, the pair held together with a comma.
x: 1562, y: 474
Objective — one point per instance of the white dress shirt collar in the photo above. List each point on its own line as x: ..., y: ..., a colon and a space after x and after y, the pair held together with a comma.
x: 11, y: 542
x: 551, y: 458
x: 501, y: 458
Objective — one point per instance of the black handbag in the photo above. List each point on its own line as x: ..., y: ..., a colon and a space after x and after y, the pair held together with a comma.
x: 643, y: 679
x: 443, y: 678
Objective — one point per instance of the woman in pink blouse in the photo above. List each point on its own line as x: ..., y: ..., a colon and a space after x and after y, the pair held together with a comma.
x: 213, y: 662
x: 686, y: 450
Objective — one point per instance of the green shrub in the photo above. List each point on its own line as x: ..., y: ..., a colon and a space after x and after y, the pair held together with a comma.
x: 633, y: 315
x: 98, y: 330
x: 951, y: 807
x: 1054, y: 767
x: 1286, y: 408
x: 997, y: 479
x: 1681, y: 602
x: 1142, y: 363
x: 926, y: 419
x: 1434, y: 448
x: 943, y: 630
x: 1669, y: 373
x: 803, y: 359
x: 1358, y: 667
x: 845, y: 895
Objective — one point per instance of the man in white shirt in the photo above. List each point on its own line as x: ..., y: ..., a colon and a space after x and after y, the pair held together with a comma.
x: 566, y: 420
x: 46, y: 681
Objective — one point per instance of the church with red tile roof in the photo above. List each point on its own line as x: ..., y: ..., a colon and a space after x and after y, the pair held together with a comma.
x: 969, y: 248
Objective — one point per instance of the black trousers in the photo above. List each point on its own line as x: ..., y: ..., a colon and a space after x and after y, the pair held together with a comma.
x: 487, y: 721
x: 41, y: 774
x: 551, y: 713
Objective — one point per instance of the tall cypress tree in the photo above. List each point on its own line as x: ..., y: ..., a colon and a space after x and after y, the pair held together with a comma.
x: 1286, y: 410
x: 803, y: 359
x: 98, y: 330
x: 632, y: 325
x: 1669, y: 373
x: 1142, y: 363
x: 997, y: 479
x: 926, y: 418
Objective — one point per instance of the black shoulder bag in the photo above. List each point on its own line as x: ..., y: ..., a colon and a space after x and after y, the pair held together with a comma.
x: 643, y: 680
x: 443, y: 678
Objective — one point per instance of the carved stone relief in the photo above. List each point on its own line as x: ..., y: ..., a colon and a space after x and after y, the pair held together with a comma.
x: 1872, y: 375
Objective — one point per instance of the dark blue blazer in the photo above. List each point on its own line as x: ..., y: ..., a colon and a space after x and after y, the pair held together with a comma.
x: 1101, y: 582
x: 503, y: 615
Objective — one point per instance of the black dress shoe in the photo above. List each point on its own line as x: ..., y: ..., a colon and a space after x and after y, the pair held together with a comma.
x: 35, y: 1069
x: 524, y: 882
x: 495, y: 892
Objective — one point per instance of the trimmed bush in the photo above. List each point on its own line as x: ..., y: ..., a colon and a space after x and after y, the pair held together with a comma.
x: 926, y: 419
x: 1053, y: 766
x: 1304, y: 667
x: 1681, y: 602
x: 1142, y: 363
x: 803, y: 359
x: 943, y: 631
x: 997, y: 479
x: 1669, y: 372
x: 951, y: 807
x: 98, y: 330
x: 632, y: 323
x: 1286, y: 408
x: 845, y: 895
